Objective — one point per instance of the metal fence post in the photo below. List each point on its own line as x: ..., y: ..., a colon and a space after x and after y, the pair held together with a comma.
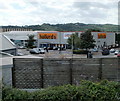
x: 118, y: 70
x: 100, y: 69
x: 41, y: 66
x: 13, y: 74
x: 71, y: 66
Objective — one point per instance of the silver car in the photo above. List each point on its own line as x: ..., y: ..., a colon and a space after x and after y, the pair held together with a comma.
x: 37, y: 51
x: 116, y: 52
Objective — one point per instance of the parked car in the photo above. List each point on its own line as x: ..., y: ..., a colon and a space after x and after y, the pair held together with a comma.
x: 61, y: 48
x: 50, y: 48
x: 94, y: 50
x: 105, y: 52
x: 116, y: 52
x: 21, y: 47
x: 37, y: 51
x: 20, y: 54
x: 41, y: 51
x: 112, y: 50
x: 55, y: 48
x: 118, y: 55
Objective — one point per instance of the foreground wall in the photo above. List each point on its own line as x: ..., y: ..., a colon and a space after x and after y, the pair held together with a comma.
x: 38, y: 73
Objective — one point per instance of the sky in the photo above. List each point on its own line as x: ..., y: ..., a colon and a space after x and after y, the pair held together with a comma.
x: 34, y: 12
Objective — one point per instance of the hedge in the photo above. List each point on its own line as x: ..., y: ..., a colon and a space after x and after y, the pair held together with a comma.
x: 86, y: 91
x: 80, y: 51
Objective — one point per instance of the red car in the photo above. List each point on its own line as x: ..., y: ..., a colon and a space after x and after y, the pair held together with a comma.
x: 118, y: 55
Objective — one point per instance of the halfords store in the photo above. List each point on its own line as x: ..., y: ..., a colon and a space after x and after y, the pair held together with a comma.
x: 53, y: 39
x: 57, y: 39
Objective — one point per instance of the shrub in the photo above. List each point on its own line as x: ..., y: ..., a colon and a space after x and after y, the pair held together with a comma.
x: 86, y: 91
x: 80, y: 51
x: 60, y: 93
x: 14, y: 94
x: 100, y: 91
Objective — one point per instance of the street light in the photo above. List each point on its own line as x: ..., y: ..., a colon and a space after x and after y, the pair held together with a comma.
x: 72, y: 43
x: 60, y: 43
x: 38, y: 44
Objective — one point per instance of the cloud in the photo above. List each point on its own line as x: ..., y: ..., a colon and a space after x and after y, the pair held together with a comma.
x: 97, y: 12
x: 98, y: 5
x: 25, y: 12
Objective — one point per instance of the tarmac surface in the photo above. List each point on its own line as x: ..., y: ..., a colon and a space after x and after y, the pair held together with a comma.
x: 64, y: 54
x: 50, y: 54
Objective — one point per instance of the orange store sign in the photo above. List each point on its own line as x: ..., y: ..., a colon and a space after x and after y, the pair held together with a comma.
x: 101, y: 35
x: 47, y: 35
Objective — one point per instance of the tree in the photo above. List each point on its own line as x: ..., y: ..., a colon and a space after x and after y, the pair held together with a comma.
x: 87, y: 40
x: 31, y: 41
x: 74, y: 41
x: 117, y: 38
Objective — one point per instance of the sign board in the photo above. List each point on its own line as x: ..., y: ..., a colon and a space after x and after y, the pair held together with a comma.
x: 47, y: 35
x: 101, y: 35
x: 67, y: 35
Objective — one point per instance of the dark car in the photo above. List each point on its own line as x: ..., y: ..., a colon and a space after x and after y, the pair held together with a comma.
x: 50, y: 48
x: 55, y: 48
x: 105, y: 52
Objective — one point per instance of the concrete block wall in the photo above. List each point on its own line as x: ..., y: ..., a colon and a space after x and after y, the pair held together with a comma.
x: 29, y: 73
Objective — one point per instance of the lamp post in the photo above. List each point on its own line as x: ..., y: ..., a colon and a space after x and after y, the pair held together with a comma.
x: 60, y: 43
x: 72, y: 43
x: 38, y: 44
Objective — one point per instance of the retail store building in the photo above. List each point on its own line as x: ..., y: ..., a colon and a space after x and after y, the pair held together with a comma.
x: 57, y: 39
